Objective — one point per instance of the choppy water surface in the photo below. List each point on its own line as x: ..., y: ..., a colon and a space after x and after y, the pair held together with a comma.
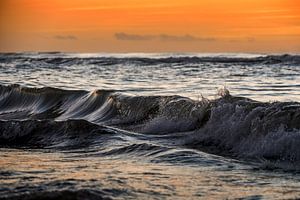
x: 122, y: 126
x: 261, y: 77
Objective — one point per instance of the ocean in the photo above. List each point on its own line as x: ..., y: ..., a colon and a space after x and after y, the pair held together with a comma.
x: 149, y: 126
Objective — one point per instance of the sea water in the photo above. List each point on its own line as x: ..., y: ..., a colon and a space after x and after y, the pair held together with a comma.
x: 155, y: 126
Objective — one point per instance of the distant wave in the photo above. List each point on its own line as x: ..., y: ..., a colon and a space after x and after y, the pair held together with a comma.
x: 235, y: 126
x: 69, y: 59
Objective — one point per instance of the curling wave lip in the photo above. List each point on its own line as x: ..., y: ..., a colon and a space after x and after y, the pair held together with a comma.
x: 231, y: 126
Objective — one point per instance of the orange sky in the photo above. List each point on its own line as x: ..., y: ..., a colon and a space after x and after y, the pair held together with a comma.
x: 150, y: 25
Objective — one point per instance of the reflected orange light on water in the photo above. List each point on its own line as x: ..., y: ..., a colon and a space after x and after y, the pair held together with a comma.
x: 35, y: 169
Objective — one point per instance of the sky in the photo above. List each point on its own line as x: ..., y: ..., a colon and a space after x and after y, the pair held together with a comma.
x: 251, y: 26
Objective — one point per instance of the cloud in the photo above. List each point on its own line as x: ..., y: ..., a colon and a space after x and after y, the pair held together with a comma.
x: 247, y: 39
x: 250, y: 39
x: 187, y: 37
x: 65, y: 37
x: 161, y: 37
x: 125, y: 36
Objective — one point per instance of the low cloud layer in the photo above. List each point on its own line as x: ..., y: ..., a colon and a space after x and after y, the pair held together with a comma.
x: 247, y: 39
x: 161, y: 37
x: 125, y: 36
x: 65, y: 37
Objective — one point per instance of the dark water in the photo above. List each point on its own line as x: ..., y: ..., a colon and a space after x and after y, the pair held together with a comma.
x: 93, y: 126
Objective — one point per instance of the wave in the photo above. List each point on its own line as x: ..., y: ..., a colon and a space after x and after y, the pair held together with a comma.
x: 56, y: 58
x: 47, y: 133
x: 249, y: 129
x: 234, y: 126
x: 67, y: 194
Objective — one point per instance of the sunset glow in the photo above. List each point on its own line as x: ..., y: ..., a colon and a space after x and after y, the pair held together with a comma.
x: 150, y: 26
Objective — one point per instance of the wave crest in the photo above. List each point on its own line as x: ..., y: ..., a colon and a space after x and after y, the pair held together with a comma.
x: 54, y: 59
x: 234, y: 126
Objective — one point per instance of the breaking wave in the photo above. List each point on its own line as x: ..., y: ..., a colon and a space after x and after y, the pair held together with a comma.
x: 232, y: 126
x: 56, y: 58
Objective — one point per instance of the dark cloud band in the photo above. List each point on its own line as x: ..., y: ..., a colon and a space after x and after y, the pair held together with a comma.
x: 162, y: 37
x: 65, y: 37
